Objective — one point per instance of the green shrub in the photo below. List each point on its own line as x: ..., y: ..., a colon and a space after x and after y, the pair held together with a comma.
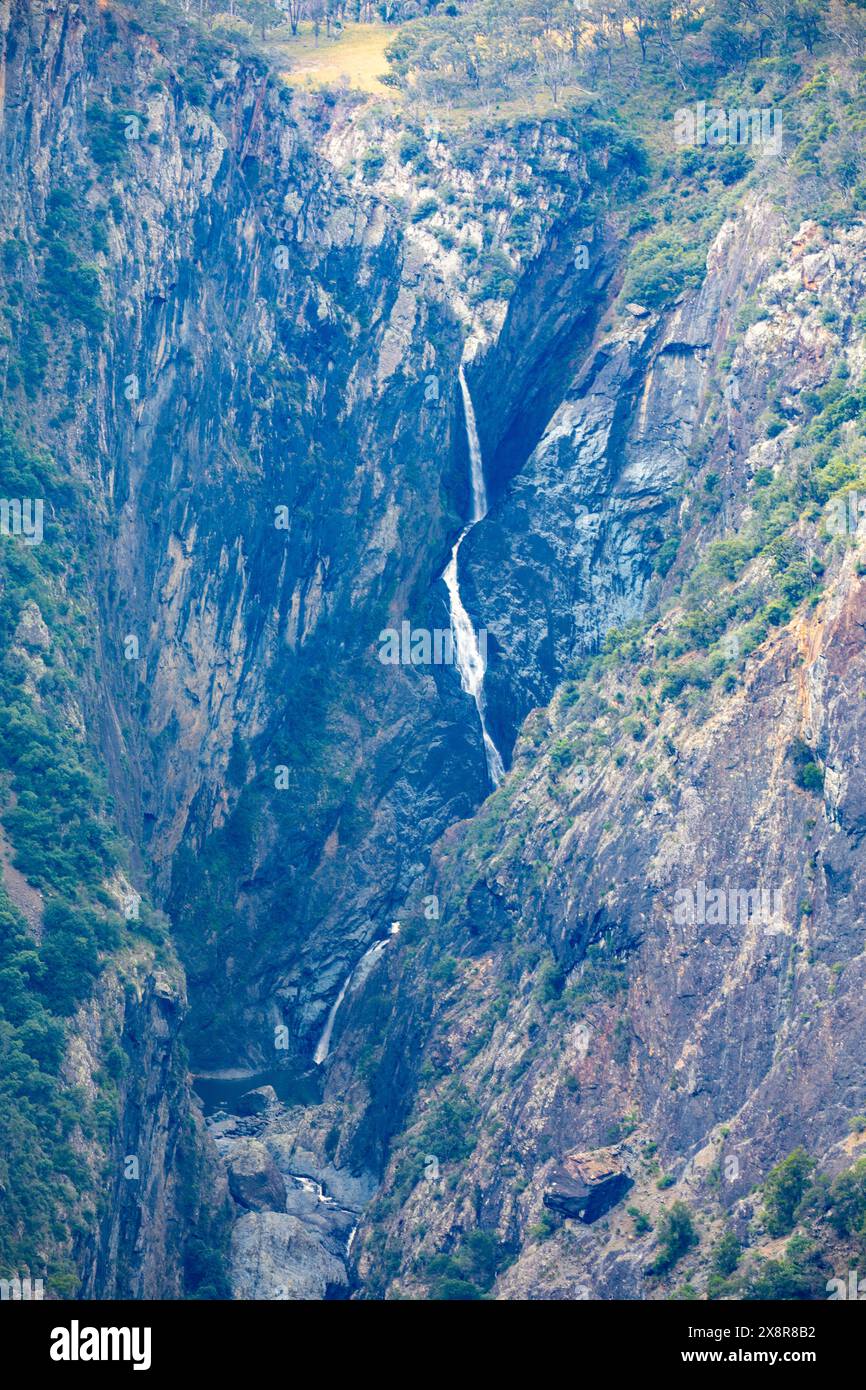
x: 847, y: 1198
x: 798, y: 1276
x: 808, y: 774
x: 784, y: 1189
x: 106, y: 135
x: 470, y: 1271
x: 726, y: 1254
x: 810, y: 777
x: 425, y: 208
x: 661, y: 267
x: 666, y: 554
x: 409, y: 147
x: 677, y: 1235
x: 73, y: 289
x: 372, y: 164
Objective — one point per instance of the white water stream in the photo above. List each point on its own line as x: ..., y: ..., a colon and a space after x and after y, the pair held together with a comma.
x: 471, y: 665
x: 471, y: 661
x: 354, y: 980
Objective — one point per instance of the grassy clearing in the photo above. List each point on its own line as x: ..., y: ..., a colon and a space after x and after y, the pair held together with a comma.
x: 356, y: 58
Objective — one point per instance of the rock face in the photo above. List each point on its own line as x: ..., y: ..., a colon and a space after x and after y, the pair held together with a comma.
x: 261, y: 410
x: 568, y: 551
x: 626, y: 809
x: 275, y: 1258
x: 586, y: 1185
x: 303, y: 488
x: 253, y: 1178
x: 165, y: 1183
x: 256, y: 1102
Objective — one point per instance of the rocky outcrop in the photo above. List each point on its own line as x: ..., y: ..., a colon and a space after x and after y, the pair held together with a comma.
x: 585, y: 988
x: 274, y: 1257
x: 586, y: 1185
x: 569, y: 550
x: 275, y: 1164
x: 256, y: 1102
x: 253, y: 1178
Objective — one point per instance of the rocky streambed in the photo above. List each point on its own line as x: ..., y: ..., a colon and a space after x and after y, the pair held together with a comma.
x: 296, y: 1214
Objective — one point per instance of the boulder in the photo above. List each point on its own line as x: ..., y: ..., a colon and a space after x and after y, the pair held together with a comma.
x: 586, y: 1185
x: 254, y: 1181
x: 273, y: 1256
x: 256, y: 1102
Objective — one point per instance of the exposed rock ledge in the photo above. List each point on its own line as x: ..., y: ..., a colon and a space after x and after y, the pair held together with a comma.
x: 586, y: 1185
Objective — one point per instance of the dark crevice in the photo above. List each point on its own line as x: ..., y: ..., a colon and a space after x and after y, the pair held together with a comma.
x: 519, y: 382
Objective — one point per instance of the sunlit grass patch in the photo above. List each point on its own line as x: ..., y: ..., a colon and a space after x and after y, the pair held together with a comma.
x: 356, y: 58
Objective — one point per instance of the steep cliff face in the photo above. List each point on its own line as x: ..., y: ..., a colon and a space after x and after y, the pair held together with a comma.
x: 105, y: 1181
x: 678, y: 841
x: 279, y: 443
x: 569, y: 551
x: 271, y: 481
x: 247, y: 311
x: 164, y: 1212
x: 233, y: 351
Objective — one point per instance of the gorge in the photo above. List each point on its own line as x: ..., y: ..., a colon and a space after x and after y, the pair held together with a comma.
x: 326, y: 977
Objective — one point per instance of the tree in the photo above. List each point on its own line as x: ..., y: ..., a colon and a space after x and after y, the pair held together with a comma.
x: 554, y: 63
x: 726, y: 1255
x: 847, y: 24
x: 804, y: 23
x: 293, y: 10
x: 263, y: 14
x: 573, y: 20
x: 848, y: 1202
x: 316, y: 12
x: 677, y: 1234
x: 799, y: 1275
x: 672, y: 25
x: 784, y: 1189
x: 644, y: 26
x: 727, y: 41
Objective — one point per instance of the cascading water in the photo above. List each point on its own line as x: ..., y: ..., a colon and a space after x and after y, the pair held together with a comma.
x: 471, y: 661
x: 471, y: 664
x: 354, y: 980
x: 323, y: 1046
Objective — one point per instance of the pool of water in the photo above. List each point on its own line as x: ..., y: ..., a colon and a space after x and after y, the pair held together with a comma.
x: 292, y: 1088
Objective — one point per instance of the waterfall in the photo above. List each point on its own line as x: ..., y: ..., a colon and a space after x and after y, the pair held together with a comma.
x: 476, y: 464
x: 354, y: 980
x: 323, y: 1046
x: 471, y: 660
